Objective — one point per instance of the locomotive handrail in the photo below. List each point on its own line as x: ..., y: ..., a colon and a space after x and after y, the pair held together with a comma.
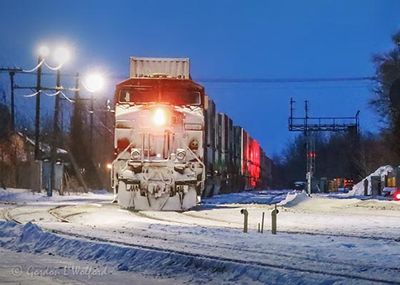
x: 113, y: 178
x: 203, y: 177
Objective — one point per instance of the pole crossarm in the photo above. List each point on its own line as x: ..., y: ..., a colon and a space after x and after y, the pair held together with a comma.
x: 22, y: 71
x: 312, y: 125
x: 322, y: 124
x: 33, y: 87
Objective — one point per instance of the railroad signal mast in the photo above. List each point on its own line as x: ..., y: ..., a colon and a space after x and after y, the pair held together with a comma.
x: 312, y: 125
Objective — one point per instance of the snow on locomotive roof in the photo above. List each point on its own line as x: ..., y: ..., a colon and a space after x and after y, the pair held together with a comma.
x: 159, y: 67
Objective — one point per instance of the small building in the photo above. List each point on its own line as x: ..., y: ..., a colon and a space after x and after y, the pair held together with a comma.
x: 18, y: 168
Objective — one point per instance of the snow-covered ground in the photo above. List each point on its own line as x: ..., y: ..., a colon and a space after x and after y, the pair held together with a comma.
x: 320, y: 240
x: 24, y: 268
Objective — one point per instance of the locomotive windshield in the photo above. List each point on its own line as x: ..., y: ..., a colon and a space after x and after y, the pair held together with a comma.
x: 168, y: 91
x: 173, y: 97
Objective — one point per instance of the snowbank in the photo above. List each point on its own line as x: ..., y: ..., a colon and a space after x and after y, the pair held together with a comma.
x: 15, y: 195
x: 358, y: 189
x: 148, y: 261
x: 293, y: 199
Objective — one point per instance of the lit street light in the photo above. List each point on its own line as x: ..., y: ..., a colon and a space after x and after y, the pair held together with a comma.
x: 43, y: 51
x: 94, y: 82
x: 61, y: 55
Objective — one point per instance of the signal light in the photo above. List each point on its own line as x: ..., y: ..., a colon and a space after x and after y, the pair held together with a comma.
x: 312, y: 154
x: 396, y: 195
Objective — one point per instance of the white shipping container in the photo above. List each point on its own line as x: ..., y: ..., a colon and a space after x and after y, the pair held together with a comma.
x: 151, y: 67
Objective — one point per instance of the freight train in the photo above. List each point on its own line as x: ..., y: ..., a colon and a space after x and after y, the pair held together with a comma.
x: 171, y: 145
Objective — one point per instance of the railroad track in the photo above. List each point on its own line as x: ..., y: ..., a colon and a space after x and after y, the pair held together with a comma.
x: 281, y: 265
x: 232, y: 260
x: 53, y: 212
x: 9, y: 217
x: 365, y: 237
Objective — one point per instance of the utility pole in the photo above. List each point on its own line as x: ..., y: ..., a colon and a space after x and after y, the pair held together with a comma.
x: 12, y: 74
x: 55, y: 135
x: 91, y: 121
x: 291, y: 111
x: 37, y: 113
x: 309, y: 150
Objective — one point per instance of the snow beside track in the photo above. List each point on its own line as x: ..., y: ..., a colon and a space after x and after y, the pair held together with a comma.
x: 29, y: 238
x: 358, y: 189
x: 265, y: 197
x: 293, y: 198
x: 320, y: 239
x: 13, y: 195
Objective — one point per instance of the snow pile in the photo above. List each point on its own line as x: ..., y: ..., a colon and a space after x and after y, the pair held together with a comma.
x: 358, y: 189
x: 27, y: 196
x: 195, y: 268
x: 265, y: 197
x: 293, y: 198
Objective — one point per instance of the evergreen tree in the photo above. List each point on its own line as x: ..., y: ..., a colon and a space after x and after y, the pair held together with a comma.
x: 79, y: 142
x: 5, y: 122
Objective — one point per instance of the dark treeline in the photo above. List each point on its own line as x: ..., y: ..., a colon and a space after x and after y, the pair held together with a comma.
x: 337, y: 155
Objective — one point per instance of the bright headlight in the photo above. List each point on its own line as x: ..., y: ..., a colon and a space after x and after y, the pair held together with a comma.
x: 159, y: 117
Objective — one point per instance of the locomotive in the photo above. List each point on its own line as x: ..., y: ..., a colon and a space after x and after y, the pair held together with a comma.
x: 172, y: 147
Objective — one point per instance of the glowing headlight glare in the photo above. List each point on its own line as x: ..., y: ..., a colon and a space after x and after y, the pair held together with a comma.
x: 109, y: 165
x: 159, y: 117
x: 397, y: 196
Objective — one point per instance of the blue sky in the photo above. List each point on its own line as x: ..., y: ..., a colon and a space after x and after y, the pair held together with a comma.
x: 229, y: 39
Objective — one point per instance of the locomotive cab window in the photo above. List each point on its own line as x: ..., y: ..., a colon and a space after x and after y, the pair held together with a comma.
x: 181, y: 97
x: 169, y: 96
x: 125, y: 96
x: 138, y: 95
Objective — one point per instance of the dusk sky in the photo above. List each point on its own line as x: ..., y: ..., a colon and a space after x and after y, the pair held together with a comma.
x: 223, y: 39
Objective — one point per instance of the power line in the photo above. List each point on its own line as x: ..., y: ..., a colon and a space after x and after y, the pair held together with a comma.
x: 226, y: 79
x: 286, y: 80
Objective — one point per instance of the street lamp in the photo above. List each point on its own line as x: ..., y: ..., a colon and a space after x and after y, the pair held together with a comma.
x: 43, y: 51
x: 61, y: 55
x: 94, y: 82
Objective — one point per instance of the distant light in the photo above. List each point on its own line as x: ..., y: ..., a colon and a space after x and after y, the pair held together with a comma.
x: 94, y: 82
x: 109, y: 165
x: 159, y: 117
x: 62, y: 55
x: 43, y: 51
x: 397, y: 196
